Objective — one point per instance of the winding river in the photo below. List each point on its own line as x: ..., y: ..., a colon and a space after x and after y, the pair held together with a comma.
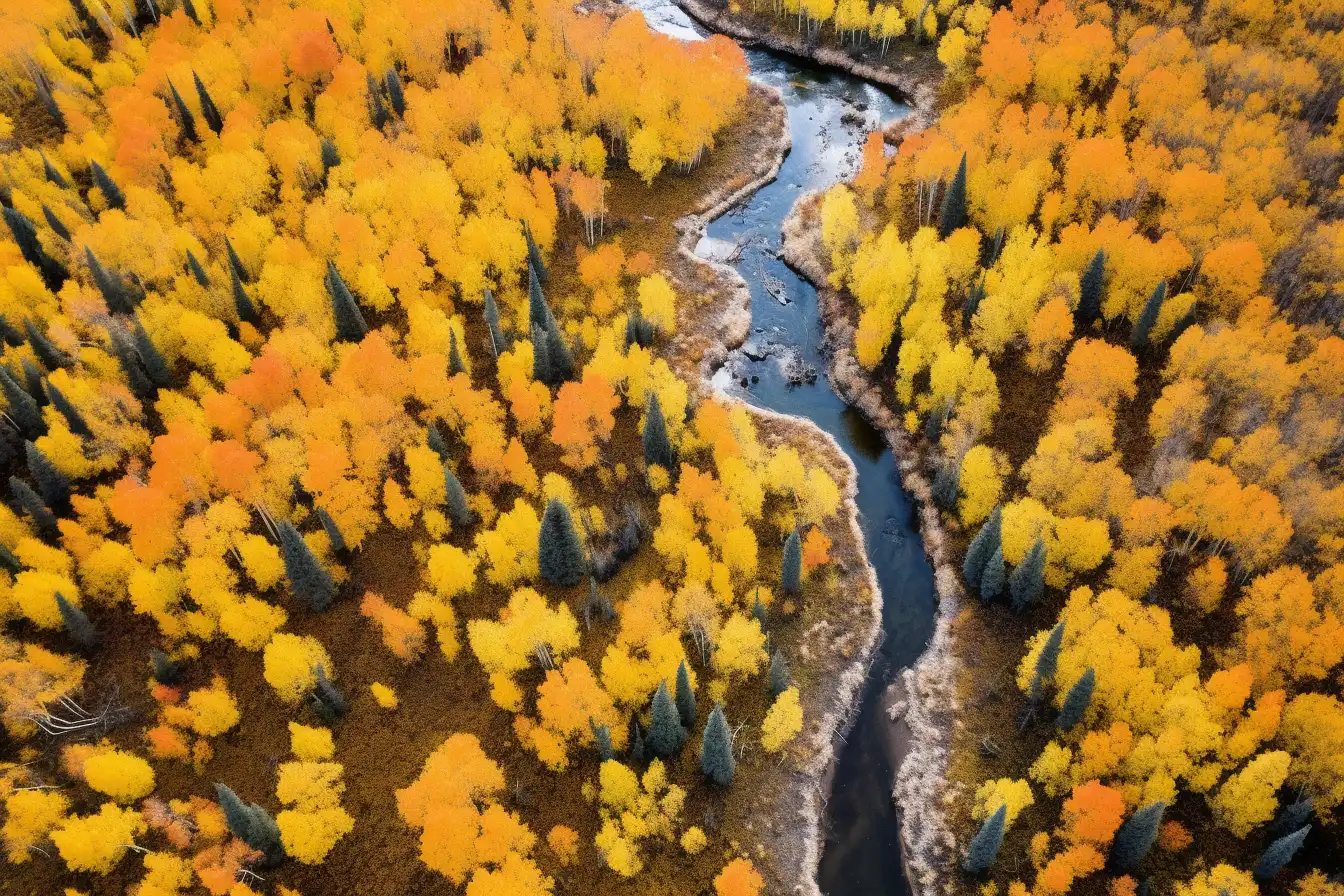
x: 781, y: 368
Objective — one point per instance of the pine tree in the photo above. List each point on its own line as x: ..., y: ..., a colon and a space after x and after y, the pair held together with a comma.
x: 338, y: 545
x: 131, y: 366
x: 946, y: 486
x: 985, y: 845
x: 236, y: 263
x: 309, y: 580
x: 8, y: 562
x: 328, y: 701
x: 1027, y: 583
x: 156, y: 368
x: 983, y: 546
x: 716, y: 749
x: 685, y: 696
x: 113, y: 288
x: 197, y: 270
x: 666, y: 735
x: 1292, y: 817
x: 50, y: 173
x: 991, y: 582
x: 562, y: 360
x: 436, y: 442
x: 638, y: 750
x: 74, y: 421
x: 458, y: 510
x: 1279, y: 854
x: 242, y: 303
x: 77, y: 624
x: 50, y: 356
x: 455, y: 365
x: 1143, y: 327
x: 791, y: 574
x: 111, y: 192
x: 56, y: 224
x: 491, y: 315
x: 952, y: 215
x: 758, y: 611
x: 657, y: 446
x: 1090, y: 288
x: 53, y: 272
x: 331, y: 157
x: 1077, y: 700
x: 395, y: 95
x: 350, y: 325
x: 1048, y: 659
x: 779, y: 673
x: 377, y: 111
x: 9, y: 333
x: 209, y: 111
x: 165, y: 670
x: 972, y: 303
x: 534, y: 259
x: 29, y: 502
x: 602, y: 738
x: 559, y: 552
x: 542, y: 371
x: 538, y: 311
x: 51, y: 483
x: 22, y: 409
x: 1136, y: 837
x: 190, y: 9
x: 33, y: 382
x: 253, y: 825
x: 185, y: 119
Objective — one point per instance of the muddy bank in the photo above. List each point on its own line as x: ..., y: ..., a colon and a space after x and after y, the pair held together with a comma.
x: 923, y: 708
x: 916, y: 85
x: 841, y: 638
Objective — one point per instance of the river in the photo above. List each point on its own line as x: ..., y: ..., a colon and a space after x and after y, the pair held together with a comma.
x: 830, y: 114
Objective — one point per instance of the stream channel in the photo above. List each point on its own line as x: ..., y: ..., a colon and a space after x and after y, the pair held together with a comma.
x: 781, y: 367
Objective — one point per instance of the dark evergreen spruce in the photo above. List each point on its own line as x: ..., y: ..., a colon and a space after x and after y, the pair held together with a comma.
x: 32, y: 504
x: 209, y: 111
x: 455, y: 365
x: 331, y: 156
x: 657, y: 446
x: 50, y: 172
x: 185, y: 119
x: 51, y: 483
x: 638, y: 750
x: 666, y: 735
x: 952, y: 215
x: 9, y: 333
x: 459, y: 511
x: 779, y: 673
x: 985, y: 845
x: 56, y: 224
x: 328, y: 701
x: 350, y: 325
x: 77, y: 624
x: 131, y: 366
x: 716, y: 749
x: 1143, y: 327
x: 253, y: 825
x: 22, y: 409
x: 791, y: 572
x: 538, y: 312
x: 972, y: 303
x: 559, y: 551
x: 491, y: 315
x: 602, y: 740
x: 1279, y: 854
x: 685, y: 696
x: 33, y: 382
x: 110, y: 284
x: 758, y: 611
x: 1077, y: 700
x: 197, y: 270
x: 436, y: 442
x: 242, y: 303
x: 1090, y: 288
x: 53, y: 272
x: 377, y: 111
x: 395, y: 95
x: 8, y: 562
x: 190, y: 9
x: 1291, y: 817
x: 534, y: 255
x: 983, y: 546
x: 1136, y: 837
x: 946, y: 486
x: 74, y: 421
x: 562, y: 361
x: 236, y: 263
x: 992, y: 581
x: 1027, y: 583
x: 307, y: 577
x: 156, y: 368
x: 1048, y: 659
x: 542, y: 371
x: 165, y: 670
x: 333, y: 531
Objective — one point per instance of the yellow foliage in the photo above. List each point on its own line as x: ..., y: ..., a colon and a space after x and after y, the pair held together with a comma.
x: 384, y: 695
x: 1249, y: 797
x: 97, y: 842
x: 123, y: 776
x: 289, y: 664
x: 782, y: 722
x: 213, y: 709
x: 1016, y: 795
x: 29, y: 816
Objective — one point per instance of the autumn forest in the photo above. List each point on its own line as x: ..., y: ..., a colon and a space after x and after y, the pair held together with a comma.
x: 373, y: 521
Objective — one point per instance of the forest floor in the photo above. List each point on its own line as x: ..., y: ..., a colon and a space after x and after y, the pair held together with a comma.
x: 770, y: 813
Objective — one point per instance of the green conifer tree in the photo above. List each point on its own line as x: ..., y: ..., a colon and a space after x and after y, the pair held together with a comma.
x: 1048, y: 659
x: 974, y: 297
x: 50, y: 172
x: 455, y: 365
x: 458, y: 510
x: 985, y: 845
x: 350, y: 325
x: 657, y: 446
x: 666, y: 735
x: 716, y: 749
x: 338, y: 545
x: 1090, y: 289
x: 21, y: 408
x: 51, y: 357
x: 236, y: 263
x: 242, y: 303
x: 952, y: 215
x: 1077, y: 700
x: 77, y: 624
x: 1279, y: 853
x: 1136, y: 837
x: 602, y: 740
x: 51, y: 483
x: 559, y: 551
x: 53, y: 272
x: 779, y: 673
x: 209, y: 111
x: 328, y: 701
x: 377, y: 111
x: 197, y: 270
x: 395, y: 95
x: 113, y: 288
x: 74, y: 421
x: 185, y: 119
x: 491, y: 315
x: 992, y: 581
x: 436, y: 442
x: 983, y: 546
x: 308, y: 579
x: 685, y: 696
x: 32, y: 504
x: 56, y: 224
x: 156, y: 368
x: 791, y: 574
x: 131, y: 366
x: 253, y: 825
x: 165, y: 670
x: 534, y: 258
x: 1292, y: 817
x: 1027, y: 583
x: 111, y: 192
x: 1143, y: 327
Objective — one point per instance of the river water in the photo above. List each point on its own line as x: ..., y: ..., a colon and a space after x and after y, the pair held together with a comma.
x: 830, y: 114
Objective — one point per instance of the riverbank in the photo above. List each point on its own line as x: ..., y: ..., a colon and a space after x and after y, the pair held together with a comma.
x: 914, y: 78
x: 843, y: 627
x: 922, y: 709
